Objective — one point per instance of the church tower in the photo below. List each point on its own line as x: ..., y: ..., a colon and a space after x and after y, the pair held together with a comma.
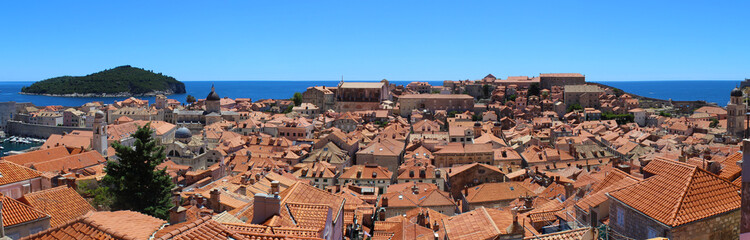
x: 99, y: 142
x: 213, y: 102
x: 736, y: 110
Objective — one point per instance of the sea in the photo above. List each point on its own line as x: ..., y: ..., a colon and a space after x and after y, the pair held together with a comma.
x: 716, y: 91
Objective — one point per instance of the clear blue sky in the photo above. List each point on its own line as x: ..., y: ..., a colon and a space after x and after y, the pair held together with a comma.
x: 370, y: 40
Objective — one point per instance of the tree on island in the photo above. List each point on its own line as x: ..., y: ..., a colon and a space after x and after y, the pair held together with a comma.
x: 135, y: 182
x: 297, y: 98
x: 190, y: 99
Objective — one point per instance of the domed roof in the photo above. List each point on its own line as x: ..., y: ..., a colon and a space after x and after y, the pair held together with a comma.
x: 736, y: 92
x: 183, y: 132
x: 99, y: 114
x: 212, y: 96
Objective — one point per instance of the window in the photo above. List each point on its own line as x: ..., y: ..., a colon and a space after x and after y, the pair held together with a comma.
x: 620, y: 215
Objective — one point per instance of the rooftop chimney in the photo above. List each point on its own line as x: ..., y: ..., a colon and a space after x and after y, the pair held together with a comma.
x: 275, y: 188
x: 384, y: 202
x: 215, y: 201
x: 265, y: 206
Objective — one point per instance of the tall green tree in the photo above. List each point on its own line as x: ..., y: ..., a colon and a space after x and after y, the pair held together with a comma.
x: 190, y: 99
x: 534, y: 89
x: 134, y: 180
x: 297, y: 98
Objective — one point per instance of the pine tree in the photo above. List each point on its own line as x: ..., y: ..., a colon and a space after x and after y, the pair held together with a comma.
x: 297, y: 98
x: 135, y: 182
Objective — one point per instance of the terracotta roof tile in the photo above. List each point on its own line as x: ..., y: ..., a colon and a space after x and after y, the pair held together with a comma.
x: 481, y: 223
x: 15, y: 212
x: 490, y: 192
x: 575, y: 234
x: 126, y: 223
x: 68, y: 163
x: 679, y: 193
x: 304, y: 193
x: 11, y: 173
x: 366, y: 172
x: 38, y: 155
x: 203, y: 228
x: 311, y: 216
x: 62, y: 203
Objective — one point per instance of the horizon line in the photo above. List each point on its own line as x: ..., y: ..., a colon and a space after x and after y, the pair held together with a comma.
x: 415, y: 80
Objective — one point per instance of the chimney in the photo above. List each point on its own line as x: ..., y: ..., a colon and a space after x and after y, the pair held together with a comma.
x: 275, y: 188
x: 466, y: 191
x: 215, y: 201
x: 243, y: 179
x: 420, y: 219
x: 415, y: 189
x: 569, y: 190
x: 384, y: 202
x: 264, y: 207
x: 528, y: 202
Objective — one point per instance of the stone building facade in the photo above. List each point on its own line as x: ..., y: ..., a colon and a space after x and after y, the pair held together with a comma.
x: 457, y: 154
x: 548, y: 80
x: 634, y: 224
x: 322, y: 97
x: 585, y: 95
x: 357, y: 96
x: 434, y: 102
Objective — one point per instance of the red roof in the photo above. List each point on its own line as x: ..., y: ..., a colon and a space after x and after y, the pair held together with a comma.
x: 679, y: 193
x: 62, y: 203
x: 38, y: 155
x: 15, y: 212
x: 11, y: 173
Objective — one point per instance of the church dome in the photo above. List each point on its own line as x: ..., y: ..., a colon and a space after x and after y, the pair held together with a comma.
x: 736, y: 92
x: 99, y: 114
x: 212, y: 96
x: 183, y: 132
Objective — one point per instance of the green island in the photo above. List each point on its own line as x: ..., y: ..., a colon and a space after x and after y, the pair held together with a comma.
x: 120, y: 81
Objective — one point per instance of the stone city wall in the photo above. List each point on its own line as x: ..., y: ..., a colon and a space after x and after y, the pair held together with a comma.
x: 16, y: 128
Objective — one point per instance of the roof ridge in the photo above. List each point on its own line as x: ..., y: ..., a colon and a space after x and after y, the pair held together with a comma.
x: 494, y: 225
x: 46, y: 190
x: 681, y: 199
x: 186, y: 228
x: 67, y: 223
x: 481, y: 186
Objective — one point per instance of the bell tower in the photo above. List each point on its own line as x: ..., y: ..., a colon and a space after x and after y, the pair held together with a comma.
x: 99, y: 142
x: 736, y: 110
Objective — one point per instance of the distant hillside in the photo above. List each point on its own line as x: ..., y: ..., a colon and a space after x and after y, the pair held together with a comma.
x: 119, y: 81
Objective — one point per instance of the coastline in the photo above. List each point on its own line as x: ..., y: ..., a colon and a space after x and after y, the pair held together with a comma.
x: 88, y: 95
